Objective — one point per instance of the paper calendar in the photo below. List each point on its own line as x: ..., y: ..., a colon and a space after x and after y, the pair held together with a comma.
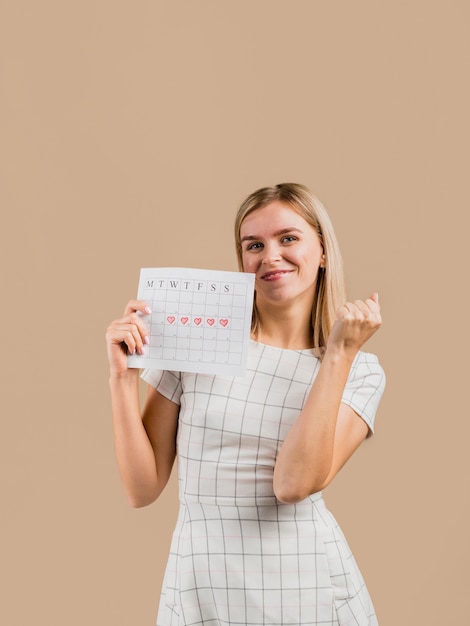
x: 200, y: 320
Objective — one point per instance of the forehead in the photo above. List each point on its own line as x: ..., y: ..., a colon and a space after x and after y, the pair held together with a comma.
x: 272, y: 217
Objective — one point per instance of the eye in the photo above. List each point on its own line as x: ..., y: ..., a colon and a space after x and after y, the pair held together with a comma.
x: 255, y: 245
x: 289, y: 239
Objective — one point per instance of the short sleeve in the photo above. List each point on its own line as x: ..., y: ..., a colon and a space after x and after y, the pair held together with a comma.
x: 165, y: 382
x: 364, y: 387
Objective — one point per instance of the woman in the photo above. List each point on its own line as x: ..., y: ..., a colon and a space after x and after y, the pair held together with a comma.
x: 254, y: 543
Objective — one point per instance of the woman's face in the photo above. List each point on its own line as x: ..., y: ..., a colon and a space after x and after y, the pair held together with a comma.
x: 283, y: 251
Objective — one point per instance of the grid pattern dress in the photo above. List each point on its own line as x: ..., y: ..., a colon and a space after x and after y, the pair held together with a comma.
x: 238, y: 556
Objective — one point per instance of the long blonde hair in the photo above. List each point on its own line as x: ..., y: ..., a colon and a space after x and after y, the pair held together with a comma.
x: 330, y: 290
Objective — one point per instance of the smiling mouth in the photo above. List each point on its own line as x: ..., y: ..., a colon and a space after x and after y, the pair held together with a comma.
x: 275, y: 275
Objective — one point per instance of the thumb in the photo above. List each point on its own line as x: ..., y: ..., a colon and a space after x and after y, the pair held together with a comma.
x: 375, y: 296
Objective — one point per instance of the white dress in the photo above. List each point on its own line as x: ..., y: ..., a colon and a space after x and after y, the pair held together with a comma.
x: 239, y: 556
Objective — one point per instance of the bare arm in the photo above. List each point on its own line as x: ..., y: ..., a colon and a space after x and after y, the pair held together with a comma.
x: 326, y: 433
x: 145, y: 444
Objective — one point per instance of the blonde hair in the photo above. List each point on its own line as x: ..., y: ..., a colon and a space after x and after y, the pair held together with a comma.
x: 330, y: 291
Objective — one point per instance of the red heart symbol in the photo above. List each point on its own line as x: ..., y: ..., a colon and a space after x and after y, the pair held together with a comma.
x: 197, y: 320
x: 184, y: 320
x: 171, y: 319
x: 223, y: 323
x: 211, y: 321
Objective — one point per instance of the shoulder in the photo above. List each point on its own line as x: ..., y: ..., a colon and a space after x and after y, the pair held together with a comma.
x: 365, y: 387
x: 366, y: 366
x: 166, y: 382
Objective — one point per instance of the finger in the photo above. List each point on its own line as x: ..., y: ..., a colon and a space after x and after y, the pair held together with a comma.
x: 343, y: 311
x: 368, y: 311
x: 133, y: 321
x: 360, y: 311
x: 136, y: 320
x: 353, y: 310
x: 363, y: 310
x: 135, y: 312
x: 123, y: 334
x: 373, y: 303
x: 128, y: 335
x: 137, y: 305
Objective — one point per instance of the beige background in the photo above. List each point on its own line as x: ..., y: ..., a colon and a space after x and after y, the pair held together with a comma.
x: 130, y: 133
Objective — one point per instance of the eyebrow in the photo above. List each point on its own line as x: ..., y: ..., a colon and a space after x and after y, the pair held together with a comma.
x: 283, y: 231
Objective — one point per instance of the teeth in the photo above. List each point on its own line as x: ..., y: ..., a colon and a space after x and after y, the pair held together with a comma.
x: 274, y: 274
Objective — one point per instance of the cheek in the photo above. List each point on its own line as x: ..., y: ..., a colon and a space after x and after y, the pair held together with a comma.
x: 310, y: 264
x: 247, y: 263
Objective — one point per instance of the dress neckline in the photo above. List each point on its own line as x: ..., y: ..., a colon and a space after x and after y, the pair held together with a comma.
x: 309, y: 351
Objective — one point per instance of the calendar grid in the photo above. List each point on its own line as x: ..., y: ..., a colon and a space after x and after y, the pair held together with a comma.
x: 200, y: 319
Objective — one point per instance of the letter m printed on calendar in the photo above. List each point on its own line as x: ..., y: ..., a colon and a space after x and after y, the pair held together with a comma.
x: 200, y: 320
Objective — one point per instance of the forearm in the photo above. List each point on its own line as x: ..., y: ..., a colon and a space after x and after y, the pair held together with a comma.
x: 134, y: 452
x: 306, y: 455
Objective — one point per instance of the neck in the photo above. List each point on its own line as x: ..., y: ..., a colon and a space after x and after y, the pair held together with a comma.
x: 285, y: 329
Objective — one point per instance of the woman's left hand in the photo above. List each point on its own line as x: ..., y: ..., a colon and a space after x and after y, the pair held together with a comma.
x: 356, y: 322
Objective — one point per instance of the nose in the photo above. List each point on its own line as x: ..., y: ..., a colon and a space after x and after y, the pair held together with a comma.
x: 271, y: 253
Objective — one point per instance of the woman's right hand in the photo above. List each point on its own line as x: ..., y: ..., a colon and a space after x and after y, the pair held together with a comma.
x: 126, y: 335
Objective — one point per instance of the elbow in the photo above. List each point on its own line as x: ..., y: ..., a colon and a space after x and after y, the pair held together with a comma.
x: 293, y: 492
x: 294, y: 496
x: 139, y: 501
x: 289, y: 497
x: 136, y: 503
x: 140, y: 494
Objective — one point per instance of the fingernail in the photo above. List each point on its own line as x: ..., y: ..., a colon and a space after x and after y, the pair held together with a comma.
x: 148, y: 310
x: 146, y: 340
